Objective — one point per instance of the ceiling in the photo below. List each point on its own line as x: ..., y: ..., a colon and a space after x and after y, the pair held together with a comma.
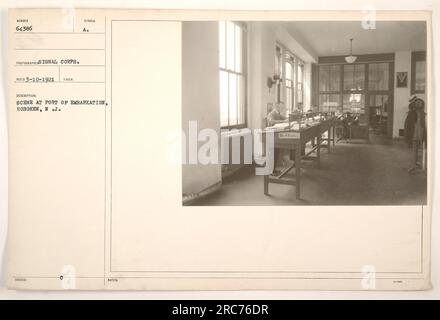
x: 332, y: 38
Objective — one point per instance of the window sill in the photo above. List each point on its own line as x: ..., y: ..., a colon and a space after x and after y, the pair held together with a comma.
x: 235, y: 132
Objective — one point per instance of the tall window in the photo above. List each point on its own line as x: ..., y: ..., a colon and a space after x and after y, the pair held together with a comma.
x: 300, y: 87
x: 291, y: 69
x: 378, y: 91
x: 232, y: 75
x: 354, y: 77
x: 378, y: 76
x: 289, y: 79
x: 354, y: 88
x: 418, y: 72
x: 329, y: 88
x: 420, y: 76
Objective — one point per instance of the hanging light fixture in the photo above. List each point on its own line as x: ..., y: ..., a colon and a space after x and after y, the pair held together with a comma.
x: 351, y: 58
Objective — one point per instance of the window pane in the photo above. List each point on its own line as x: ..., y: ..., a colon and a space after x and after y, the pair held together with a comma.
x: 330, y: 103
x: 223, y: 98
x: 230, y: 45
x: 335, y: 78
x: 232, y: 81
x: 233, y: 100
x: 238, y: 49
x: 329, y: 78
x: 354, y: 103
x: 378, y: 76
x: 324, y: 75
x: 420, y: 75
x: 373, y: 76
x: 299, y: 87
x: 222, y: 43
x: 300, y: 98
x: 348, y: 77
x: 378, y: 105
x: 288, y: 67
x: 300, y: 73
x: 354, y: 77
x: 300, y: 93
x: 289, y: 98
x: 241, y: 99
x: 359, y: 77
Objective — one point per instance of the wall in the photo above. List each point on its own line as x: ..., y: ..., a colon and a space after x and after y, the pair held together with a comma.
x: 402, y: 63
x: 200, y: 96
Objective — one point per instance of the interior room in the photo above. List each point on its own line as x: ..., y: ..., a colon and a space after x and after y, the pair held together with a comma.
x: 345, y: 103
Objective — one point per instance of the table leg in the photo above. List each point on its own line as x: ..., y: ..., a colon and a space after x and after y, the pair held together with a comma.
x: 329, y: 139
x: 334, y: 135
x: 266, y: 184
x: 297, y: 172
x: 318, y: 151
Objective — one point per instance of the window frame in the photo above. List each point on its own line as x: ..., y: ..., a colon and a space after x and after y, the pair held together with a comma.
x: 282, y: 86
x: 243, y: 73
x: 362, y: 92
x: 338, y: 92
x: 300, y: 64
x: 280, y: 71
x: 286, y: 56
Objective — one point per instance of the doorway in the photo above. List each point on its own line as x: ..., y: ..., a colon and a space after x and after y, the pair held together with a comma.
x: 379, y: 106
x: 379, y: 97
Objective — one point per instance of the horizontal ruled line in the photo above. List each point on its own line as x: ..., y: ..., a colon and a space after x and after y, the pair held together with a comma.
x: 24, y: 32
x: 42, y: 82
x: 59, y: 65
x: 56, y: 49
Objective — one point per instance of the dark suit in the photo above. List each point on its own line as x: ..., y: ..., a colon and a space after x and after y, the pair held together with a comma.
x: 410, y: 122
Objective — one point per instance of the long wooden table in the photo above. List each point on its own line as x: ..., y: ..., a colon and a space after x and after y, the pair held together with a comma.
x: 295, y: 140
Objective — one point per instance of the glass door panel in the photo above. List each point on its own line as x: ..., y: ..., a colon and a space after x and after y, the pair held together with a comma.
x: 379, y: 105
x: 354, y: 103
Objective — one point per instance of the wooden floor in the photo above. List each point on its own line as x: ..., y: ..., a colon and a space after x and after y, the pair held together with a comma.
x: 355, y: 173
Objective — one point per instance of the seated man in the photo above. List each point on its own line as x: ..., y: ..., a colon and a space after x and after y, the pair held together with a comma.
x: 347, y: 121
x: 275, y: 116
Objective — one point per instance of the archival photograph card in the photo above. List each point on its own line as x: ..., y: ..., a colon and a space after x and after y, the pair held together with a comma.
x: 219, y: 150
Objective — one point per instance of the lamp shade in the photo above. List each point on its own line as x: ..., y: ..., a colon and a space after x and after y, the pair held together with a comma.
x: 350, y: 59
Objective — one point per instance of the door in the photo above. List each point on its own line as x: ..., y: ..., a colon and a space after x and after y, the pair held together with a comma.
x: 379, y: 97
x: 379, y: 106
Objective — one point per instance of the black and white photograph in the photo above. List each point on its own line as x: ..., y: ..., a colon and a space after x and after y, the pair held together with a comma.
x: 304, y: 113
